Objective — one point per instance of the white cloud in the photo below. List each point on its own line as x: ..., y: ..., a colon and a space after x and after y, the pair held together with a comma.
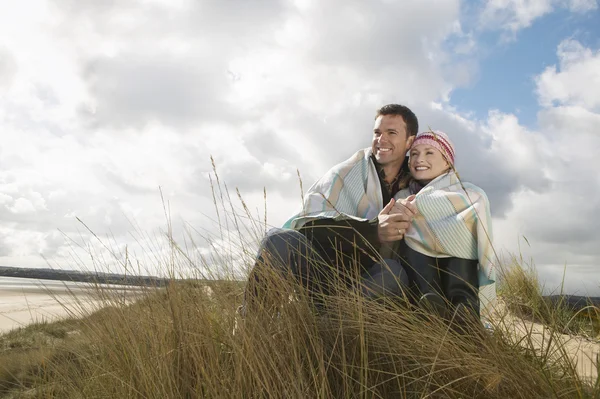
x: 7, y: 67
x: 581, y: 5
x: 542, y: 182
x: 560, y: 222
x: 576, y: 80
x: 103, y: 102
x: 514, y: 15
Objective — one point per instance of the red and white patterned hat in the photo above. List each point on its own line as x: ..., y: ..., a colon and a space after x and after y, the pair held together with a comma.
x: 439, y: 140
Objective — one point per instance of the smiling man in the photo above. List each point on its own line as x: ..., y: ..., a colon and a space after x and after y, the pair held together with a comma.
x: 391, y: 141
x: 349, y: 214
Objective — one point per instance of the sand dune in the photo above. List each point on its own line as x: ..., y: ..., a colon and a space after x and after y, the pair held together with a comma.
x: 583, y: 351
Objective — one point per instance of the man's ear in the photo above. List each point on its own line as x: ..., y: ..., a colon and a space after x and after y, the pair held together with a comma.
x: 409, y: 141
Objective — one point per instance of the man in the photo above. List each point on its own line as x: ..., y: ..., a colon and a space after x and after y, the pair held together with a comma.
x: 349, y: 214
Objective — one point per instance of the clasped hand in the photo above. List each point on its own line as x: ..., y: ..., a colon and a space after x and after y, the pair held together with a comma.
x: 395, y: 218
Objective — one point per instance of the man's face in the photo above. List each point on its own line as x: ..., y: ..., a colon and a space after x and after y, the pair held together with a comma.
x: 390, y: 141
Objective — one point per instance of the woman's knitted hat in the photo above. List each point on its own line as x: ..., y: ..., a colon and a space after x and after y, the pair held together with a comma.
x: 439, y: 140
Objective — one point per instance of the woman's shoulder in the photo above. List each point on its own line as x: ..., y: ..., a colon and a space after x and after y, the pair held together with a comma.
x: 475, y: 192
x: 402, y: 194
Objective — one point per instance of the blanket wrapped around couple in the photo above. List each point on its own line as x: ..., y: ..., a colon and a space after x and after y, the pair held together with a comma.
x: 453, y: 221
x: 456, y: 220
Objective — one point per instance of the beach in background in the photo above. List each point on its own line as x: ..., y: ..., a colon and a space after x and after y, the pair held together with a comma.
x: 24, y: 301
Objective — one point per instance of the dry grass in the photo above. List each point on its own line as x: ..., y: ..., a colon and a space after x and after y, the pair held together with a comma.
x: 522, y: 292
x: 181, y: 342
x: 186, y: 341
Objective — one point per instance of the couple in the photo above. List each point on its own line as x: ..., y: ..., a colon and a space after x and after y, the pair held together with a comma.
x: 409, y: 225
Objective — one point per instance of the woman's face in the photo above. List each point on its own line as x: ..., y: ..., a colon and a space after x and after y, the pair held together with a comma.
x: 426, y: 162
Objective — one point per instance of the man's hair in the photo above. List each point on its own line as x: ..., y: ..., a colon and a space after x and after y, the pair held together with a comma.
x: 412, y: 123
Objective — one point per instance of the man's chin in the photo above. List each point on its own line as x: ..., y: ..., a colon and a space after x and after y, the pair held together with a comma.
x: 386, y: 159
x: 383, y: 158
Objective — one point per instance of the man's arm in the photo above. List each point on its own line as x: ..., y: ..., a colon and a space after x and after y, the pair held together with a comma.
x: 337, y: 239
x: 333, y: 237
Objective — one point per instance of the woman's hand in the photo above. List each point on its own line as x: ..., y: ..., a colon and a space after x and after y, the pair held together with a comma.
x: 394, y: 219
x: 406, y: 206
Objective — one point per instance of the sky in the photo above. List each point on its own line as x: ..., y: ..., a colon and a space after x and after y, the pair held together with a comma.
x: 112, y: 114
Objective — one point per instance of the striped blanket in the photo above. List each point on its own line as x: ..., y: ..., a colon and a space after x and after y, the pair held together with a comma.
x: 454, y: 220
x: 350, y: 189
x: 460, y: 220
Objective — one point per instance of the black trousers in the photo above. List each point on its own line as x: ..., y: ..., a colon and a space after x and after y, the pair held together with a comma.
x: 289, y: 252
x: 437, y: 282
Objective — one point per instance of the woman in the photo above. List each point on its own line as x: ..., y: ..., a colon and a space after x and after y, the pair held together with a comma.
x: 448, y: 252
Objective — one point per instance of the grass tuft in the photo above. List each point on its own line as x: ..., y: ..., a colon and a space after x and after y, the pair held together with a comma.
x: 522, y: 293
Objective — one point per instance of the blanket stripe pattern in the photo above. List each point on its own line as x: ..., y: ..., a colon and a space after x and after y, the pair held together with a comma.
x: 454, y: 220
x: 350, y: 189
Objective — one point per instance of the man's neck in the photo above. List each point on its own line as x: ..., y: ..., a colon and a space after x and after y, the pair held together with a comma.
x: 391, y: 171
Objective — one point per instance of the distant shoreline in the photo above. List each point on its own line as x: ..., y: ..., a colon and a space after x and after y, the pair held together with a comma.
x: 575, y: 302
x: 82, y: 277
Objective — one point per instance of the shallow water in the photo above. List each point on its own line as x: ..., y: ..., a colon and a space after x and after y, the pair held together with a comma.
x: 24, y: 285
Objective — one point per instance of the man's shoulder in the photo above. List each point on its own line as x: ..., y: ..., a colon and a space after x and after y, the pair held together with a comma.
x: 360, y: 157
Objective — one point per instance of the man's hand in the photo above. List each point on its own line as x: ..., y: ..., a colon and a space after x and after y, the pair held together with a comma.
x: 394, y: 219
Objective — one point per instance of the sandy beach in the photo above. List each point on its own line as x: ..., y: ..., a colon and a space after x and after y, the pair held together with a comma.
x: 24, y: 301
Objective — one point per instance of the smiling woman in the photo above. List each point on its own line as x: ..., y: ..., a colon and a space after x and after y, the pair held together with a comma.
x: 430, y: 156
x: 448, y: 248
